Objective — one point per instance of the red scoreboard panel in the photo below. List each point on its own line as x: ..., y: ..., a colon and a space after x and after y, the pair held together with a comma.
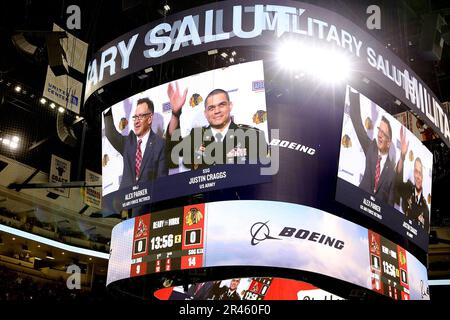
x: 257, y: 289
x: 168, y: 240
x: 389, y: 268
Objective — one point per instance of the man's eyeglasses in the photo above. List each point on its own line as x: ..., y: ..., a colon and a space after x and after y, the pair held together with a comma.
x: 140, y: 116
x: 385, y: 135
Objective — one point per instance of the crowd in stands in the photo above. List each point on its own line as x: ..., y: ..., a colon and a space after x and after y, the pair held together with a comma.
x: 96, y: 242
x: 16, y: 286
x: 23, y: 256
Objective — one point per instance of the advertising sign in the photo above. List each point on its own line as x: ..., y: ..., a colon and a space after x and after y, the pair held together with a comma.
x: 93, y: 195
x: 64, y: 90
x: 270, y: 234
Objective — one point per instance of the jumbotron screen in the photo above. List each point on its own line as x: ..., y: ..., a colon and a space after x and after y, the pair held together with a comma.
x: 257, y: 288
x: 395, y: 190
x: 264, y: 233
x: 221, y: 116
x: 302, y: 132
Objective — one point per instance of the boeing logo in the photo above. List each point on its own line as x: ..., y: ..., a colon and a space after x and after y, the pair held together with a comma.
x: 260, y: 232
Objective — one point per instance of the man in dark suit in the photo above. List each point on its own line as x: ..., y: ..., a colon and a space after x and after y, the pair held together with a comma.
x: 222, y: 141
x: 414, y: 204
x: 142, y: 150
x: 216, y: 290
x: 379, y: 174
x: 200, y: 291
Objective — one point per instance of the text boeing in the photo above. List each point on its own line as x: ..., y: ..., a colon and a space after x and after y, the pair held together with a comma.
x: 260, y: 232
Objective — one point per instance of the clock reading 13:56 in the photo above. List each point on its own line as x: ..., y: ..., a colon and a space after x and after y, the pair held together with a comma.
x: 165, y: 241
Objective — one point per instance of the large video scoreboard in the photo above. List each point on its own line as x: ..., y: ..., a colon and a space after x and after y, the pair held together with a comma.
x: 269, y: 234
x: 167, y: 241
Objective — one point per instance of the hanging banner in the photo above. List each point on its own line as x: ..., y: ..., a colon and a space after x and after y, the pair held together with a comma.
x: 93, y: 195
x: 64, y: 90
x: 59, y: 172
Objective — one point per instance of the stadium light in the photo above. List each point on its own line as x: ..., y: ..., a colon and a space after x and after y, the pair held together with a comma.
x: 61, y: 110
x: 42, y: 101
x: 17, y: 89
x: 52, y: 105
x: 326, y: 64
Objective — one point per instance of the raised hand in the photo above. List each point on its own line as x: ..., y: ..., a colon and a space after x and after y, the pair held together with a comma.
x: 176, y: 99
x: 403, y: 141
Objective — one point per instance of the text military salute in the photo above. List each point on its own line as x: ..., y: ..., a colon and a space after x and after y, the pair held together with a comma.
x: 222, y: 141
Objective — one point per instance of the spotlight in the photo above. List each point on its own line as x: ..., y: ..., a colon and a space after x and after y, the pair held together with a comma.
x: 17, y: 88
x: 52, y: 105
x: 61, y: 109
x: 13, y: 145
x: 233, y: 53
x: 15, y: 139
x: 224, y: 55
x: 43, y: 101
x: 6, y: 142
x: 327, y: 65
x: 231, y: 60
x: 166, y: 7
